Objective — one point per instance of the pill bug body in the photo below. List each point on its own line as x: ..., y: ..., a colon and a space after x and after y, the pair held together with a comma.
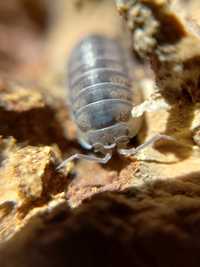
x: 100, y: 94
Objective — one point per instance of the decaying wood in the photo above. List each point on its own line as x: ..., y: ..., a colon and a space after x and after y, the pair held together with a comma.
x: 136, y: 211
x: 166, y: 31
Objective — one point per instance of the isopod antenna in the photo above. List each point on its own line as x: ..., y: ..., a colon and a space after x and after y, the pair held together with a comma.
x: 133, y: 151
x: 102, y: 160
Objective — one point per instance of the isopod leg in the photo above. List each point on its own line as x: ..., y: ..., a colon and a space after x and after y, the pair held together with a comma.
x: 151, y: 141
x: 103, y: 160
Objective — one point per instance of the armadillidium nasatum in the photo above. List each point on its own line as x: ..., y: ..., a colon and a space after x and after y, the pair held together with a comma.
x: 101, y: 97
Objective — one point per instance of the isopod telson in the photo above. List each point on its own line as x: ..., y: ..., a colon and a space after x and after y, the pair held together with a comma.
x: 101, y: 99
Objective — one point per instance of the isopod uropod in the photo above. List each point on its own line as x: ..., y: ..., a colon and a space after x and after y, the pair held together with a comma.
x: 101, y: 98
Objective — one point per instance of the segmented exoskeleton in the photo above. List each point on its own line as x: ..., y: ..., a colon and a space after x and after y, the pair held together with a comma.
x: 101, y: 97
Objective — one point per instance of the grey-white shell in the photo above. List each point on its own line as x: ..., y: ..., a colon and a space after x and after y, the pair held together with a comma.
x: 100, y: 93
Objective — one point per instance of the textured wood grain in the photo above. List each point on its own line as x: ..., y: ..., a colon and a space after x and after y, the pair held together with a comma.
x: 136, y: 211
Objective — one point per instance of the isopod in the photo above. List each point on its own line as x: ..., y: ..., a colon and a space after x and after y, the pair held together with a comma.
x: 101, y: 98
